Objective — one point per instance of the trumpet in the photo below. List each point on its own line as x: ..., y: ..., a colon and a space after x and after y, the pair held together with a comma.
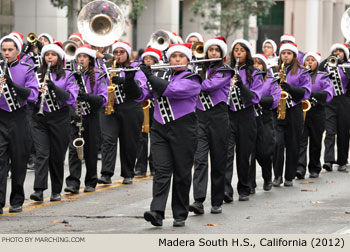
x: 43, y: 94
x: 198, y: 50
x: 2, y: 84
x: 281, y: 109
x: 32, y: 38
x: 333, y: 62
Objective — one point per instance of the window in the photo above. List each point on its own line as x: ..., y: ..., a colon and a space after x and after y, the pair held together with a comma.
x: 6, y: 17
x: 6, y: 7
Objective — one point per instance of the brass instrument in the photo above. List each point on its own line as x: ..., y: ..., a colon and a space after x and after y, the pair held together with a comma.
x: 32, y: 38
x: 281, y: 109
x: 306, y: 105
x: 43, y: 94
x: 111, y: 91
x: 198, y: 50
x: 160, y: 40
x: 145, y: 107
x: 3, y: 83
x: 69, y: 48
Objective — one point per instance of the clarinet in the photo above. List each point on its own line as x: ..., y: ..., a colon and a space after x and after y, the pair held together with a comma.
x: 2, y: 84
x: 84, y: 105
x: 43, y: 94
x: 234, y: 91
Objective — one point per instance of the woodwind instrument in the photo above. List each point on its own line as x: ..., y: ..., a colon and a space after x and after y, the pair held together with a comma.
x: 281, y: 109
x: 79, y: 142
x: 111, y: 91
x: 145, y: 107
x: 305, y: 104
x: 43, y: 94
x: 3, y: 83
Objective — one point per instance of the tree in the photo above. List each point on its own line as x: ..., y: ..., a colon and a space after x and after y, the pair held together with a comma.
x: 224, y: 17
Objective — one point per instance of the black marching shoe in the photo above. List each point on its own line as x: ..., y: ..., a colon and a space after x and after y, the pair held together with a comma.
x: 104, y: 180
x: 140, y: 174
x: 37, y: 196
x: 313, y: 175
x: 197, y: 207
x: 127, y: 181
x: 277, y: 181
x: 267, y: 186
x: 178, y: 223
x: 155, y: 218
x: 89, y: 189
x: 299, y: 175
x: 252, y: 190
x: 288, y: 183
x: 15, y: 209
x: 342, y: 168
x: 55, y: 197
x: 216, y: 210
x: 243, y: 197
x: 31, y: 166
x: 328, y: 167
x: 227, y: 197
x: 71, y: 189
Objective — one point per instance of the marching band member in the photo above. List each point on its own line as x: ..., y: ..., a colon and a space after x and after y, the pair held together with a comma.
x: 194, y: 37
x: 45, y: 39
x: 17, y: 86
x: 213, y: 128
x: 125, y: 124
x: 288, y: 38
x: 269, y: 48
x: 321, y: 92
x: 244, y: 93
x: 265, y: 140
x: 77, y: 38
x: 288, y: 131
x: 174, y: 132
x: 337, y: 110
x: 92, y: 95
x: 150, y: 57
x: 51, y: 121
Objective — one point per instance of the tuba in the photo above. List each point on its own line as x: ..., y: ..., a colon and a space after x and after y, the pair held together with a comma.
x: 101, y: 23
x: 198, y: 50
x: 69, y: 48
x: 160, y: 40
x: 281, y: 109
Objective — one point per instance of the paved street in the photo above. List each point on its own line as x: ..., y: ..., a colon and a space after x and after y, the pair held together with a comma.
x: 319, y: 205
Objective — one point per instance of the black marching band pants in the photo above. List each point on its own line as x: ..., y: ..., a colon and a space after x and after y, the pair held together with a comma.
x: 264, y: 147
x: 337, y: 123
x: 51, y: 139
x: 242, y: 137
x: 288, y: 137
x: 124, y: 124
x: 90, y: 135
x: 14, y: 145
x: 313, y: 129
x: 173, y: 146
x: 213, y: 126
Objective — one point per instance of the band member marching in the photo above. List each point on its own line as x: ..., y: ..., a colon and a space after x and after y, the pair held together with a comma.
x: 51, y: 121
x: 337, y: 110
x: 245, y: 91
x: 213, y: 121
x: 92, y: 95
x: 124, y: 124
x: 269, y: 48
x: 174, y: 132
x: 265, y: 140
x: 17, y: 86
x: 297, y: 83
x: 288, y: 38
x: 314, y: 126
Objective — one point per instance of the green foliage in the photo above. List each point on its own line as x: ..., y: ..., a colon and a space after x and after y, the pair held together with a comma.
x: 224, y: 17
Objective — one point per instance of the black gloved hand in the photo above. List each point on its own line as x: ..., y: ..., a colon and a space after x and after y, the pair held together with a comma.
x: 146, y: 70
x: 285, y: 86
x: 50, y: 84
x: 27, y: 48
x: 8, y: 80
x: 118, y: 80
x: 266, y: 102
x: 83, y: 96
x: 39, y: 45
x: 129, y: 76
x: 239, y: 81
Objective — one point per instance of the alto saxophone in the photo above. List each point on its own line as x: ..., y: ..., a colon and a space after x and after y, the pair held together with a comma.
x: 145, y: 107
x: 281, y: 109
x: 306, y: 105
x: 111, y: 91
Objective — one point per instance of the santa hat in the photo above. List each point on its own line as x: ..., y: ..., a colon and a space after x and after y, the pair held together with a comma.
x: 18, y: 35
x: 78, y: 36
x: 184, y: 48
x: 122, y: 44
x: 15, y: 40
x: 274, y: 46
x: 219, y: 41
x: 48, y: 36
x: 56, y: 47
x: 289, y: 46
x: 173, y: 37
x: 316, y: 55
x: 244, y: 42
x: 341, y: 46
x: 262, y: 57
x: 194, y: 34
x: 85, y: 49
x: 179, y: 39
x: 287, y: 37
x: 152, y: 52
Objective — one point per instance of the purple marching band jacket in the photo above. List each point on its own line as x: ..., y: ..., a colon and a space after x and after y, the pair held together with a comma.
x: 255, y: 87
x: 22, y: 75
x: 322, y: 83
x: 216, y: 88
x: 334, y: 75
x: 179, y: 97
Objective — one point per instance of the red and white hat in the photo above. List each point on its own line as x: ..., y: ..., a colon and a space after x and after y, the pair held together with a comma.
x: 78, y: 36
x: 262, y: 57
x: 184, y: 48
x: 179, y: 39
x: 152, y: 52
x: 289, y: 46
x: 287, y: 37
x: 85, y: 49
x: 18, y: 35
x: 122, y: 44
x: 15, y: 40
x: 219, y: 41
x: 173, y: 37
x: 274, y: 46
x: 48, y: 36
x: 340, y: 46
x: 56, y: 47
x: 316, y: 55
x: 194, y: 34
x: 244, y: 42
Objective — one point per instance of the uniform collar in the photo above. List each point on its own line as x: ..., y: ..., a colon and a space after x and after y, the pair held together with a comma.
x: 13, y: 63
x: 242, y: 67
